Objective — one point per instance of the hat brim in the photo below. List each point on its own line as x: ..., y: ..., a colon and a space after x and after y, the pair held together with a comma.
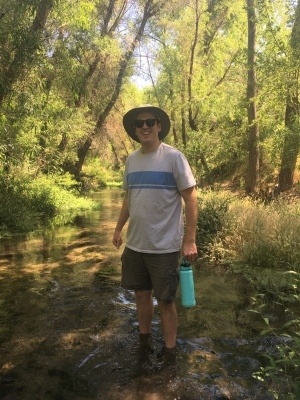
x: 130, y: 116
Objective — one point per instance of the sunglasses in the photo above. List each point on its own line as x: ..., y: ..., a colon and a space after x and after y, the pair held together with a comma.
x: 139, y: 123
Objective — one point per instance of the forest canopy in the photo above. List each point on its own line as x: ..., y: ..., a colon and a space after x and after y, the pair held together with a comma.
x: 226, y: 72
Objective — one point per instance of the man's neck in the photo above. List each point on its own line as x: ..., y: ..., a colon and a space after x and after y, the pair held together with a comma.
x: 149, y: 147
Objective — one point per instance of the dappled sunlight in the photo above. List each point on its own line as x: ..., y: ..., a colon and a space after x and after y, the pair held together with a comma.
x: 70, y: 330
x: 7, y: 367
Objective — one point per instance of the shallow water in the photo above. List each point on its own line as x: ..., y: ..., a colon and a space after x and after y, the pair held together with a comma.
x: 68, y: 331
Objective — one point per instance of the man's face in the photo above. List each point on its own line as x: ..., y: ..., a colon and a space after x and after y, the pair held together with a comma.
x: 146, y: 127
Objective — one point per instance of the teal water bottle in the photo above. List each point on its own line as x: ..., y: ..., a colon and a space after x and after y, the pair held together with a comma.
x: 186, y: 280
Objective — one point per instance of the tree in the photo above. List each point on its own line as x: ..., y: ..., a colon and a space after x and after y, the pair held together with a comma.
x: 201, y: 58
x: 23, y: 48
x: 291, y: 143
x: 75, y: 70
x: 253, y: 130
x: 63, y: 96
x: 150, y: 9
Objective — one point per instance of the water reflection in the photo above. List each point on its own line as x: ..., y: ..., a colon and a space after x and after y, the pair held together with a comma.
x: 68, y: 331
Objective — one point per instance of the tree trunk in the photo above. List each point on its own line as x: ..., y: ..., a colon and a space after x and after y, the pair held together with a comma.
x: 291, y: 145
x: 193, y: 118
x: 192, y: 114
x: 253, y: 129
x: 183, y: 121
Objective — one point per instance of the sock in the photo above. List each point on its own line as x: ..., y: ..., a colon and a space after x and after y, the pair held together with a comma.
x: 170, y: 349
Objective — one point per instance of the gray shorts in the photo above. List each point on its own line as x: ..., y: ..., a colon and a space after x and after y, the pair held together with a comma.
x: 157, y: 272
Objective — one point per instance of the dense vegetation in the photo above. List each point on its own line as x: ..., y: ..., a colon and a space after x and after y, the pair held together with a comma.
x: 68, y: 72
x: 261, y: 243
x: 226, y: 72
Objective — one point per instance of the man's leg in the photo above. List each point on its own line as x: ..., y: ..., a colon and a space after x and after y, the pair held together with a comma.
x: 168, y: 314
x: 145, y: 310
x: 168, y: 354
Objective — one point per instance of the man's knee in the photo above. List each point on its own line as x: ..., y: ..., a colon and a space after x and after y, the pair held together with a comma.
x: 143, y: 295
x: 166, y: 305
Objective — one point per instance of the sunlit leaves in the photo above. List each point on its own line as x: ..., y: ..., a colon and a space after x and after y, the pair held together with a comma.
x: 76, y: 14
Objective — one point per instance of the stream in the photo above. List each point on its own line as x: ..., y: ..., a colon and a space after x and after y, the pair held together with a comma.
x: 68, y: 330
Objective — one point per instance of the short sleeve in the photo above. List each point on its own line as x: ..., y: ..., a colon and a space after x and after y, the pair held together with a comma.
x: 182, y: 172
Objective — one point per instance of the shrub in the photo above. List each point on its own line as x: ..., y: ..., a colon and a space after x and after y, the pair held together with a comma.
x: 27, y: 204
x: 212, y: 210
x: 98, y: 174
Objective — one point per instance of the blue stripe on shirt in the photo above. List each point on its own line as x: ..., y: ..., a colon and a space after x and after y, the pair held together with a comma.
x: 151, y: 180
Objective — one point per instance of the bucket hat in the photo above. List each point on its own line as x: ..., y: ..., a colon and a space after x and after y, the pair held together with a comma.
x: 162, y: 116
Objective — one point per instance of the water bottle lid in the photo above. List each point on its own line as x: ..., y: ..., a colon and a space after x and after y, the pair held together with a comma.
x: 185, y: 265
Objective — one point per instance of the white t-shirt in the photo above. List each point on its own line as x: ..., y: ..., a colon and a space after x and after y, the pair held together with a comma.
x: 153, y: 181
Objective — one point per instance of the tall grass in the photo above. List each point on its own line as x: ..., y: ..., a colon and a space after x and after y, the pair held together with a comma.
x: 264, y: 236
x: 262, y: 242
x: 235, y: 230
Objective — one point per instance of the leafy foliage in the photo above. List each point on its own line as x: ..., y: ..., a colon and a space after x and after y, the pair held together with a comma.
x: 67, y: 90
x: 27, y: 205
x: 212, y: 211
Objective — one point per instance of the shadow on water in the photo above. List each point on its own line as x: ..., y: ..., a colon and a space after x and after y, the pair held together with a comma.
x: 68, y: 331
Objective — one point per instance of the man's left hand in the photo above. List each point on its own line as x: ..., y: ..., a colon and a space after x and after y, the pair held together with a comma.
x: 189, y: 251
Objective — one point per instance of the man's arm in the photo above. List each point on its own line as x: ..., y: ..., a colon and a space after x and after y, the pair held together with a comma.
x: 189, y: 248
x: 123, y: 217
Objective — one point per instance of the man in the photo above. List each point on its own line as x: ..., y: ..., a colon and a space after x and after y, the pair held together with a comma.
x: 157, y: 177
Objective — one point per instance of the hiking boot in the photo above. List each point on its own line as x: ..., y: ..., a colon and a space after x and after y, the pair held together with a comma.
x: 168, y: 363
x: 144, y: 364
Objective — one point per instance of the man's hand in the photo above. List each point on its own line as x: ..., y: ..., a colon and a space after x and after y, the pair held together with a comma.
x: 123, y: 217
x: 189, y: 251
x: 117, y: 239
